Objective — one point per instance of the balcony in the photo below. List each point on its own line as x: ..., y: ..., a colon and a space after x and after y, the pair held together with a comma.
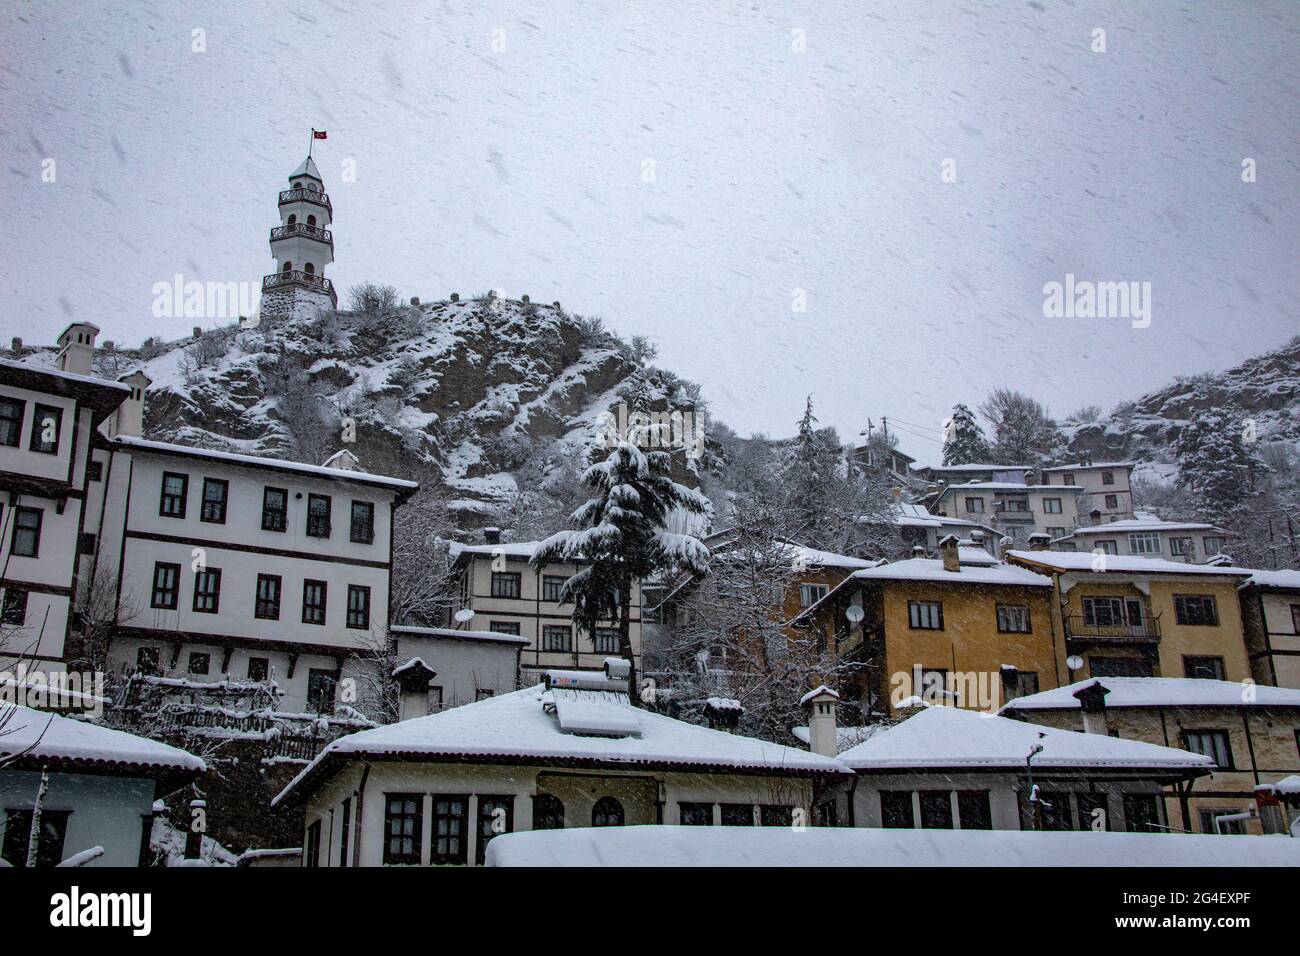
x: 1083, y: 632
x: 297, y: 229
x: 302, y: 280
x: 314, y: 196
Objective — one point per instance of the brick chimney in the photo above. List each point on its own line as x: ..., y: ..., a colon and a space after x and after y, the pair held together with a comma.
x: 128, y: 418
x: 77, y: 348
x: 822, y: 736
x: 948, y: 551
x: 1092, y: 701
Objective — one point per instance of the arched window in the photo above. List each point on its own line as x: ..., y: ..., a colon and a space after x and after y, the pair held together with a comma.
x: 310, y: 269
x: 292, y: 219
x: 548, y: 812
x: 311, y: 220
x: 288, y: 266
x: 607, y: 812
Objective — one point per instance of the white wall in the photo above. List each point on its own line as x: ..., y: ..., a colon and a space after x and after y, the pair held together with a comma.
x: 107, y: 811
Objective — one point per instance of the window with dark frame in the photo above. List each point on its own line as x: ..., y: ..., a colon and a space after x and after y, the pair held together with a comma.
x: 212, y: 509
x: 973, y: 810
x: 695, y: 814
x: 557, y: 638
x: 925, y: 615
x: 47, y: 422
x: 258, y: 668
x: 607, y: 812
x: 148, y: 661
x: 896, y: 811
x: 95, y: 471
x: 1089, y: 802
x: 1052, y: 506
x: 605, y: 640
x: 1196, y: 609
x: 207, y: 591
x: 1210, y: 743
x: 314, y: 594
x: 737, y: 814
x: 504, y: 627
x: 175, y: 489
x: 936, y: 809
x: 1213, y: 544
x: 318, y: 516
x: 1209, y: 815
x: 1057, y: 809
x: 1141, y: 813
x: 1013, y: 618
x: 1204, y: 668
x: 25, y: 541
x: 775, y: 815
x: 321, y: 686
x: 551, y: 586
x: 275, y: 508
x: 86, y: 542
x: 975, y: 505
x: 266, y: 607
x: 363, y: 523
x: 11, y: 421
x: 506, y: 584
x: 1108, y: 477
x: 199, y: 662
x: 450, y: 815
x: 496, y: 815
x: 166, y: 586
x: 548, y: 812
x: 358, y: 606
x: 14, y: 610
x: 403, y: 828
x: 49, y: 841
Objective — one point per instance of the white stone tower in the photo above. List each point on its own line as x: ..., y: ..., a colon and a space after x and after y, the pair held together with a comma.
x: 302, y: 246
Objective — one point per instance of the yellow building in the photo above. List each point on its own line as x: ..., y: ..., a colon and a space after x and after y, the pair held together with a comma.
x: 1251, y: 732
x: 1123, y: 616
x: 970, y: 634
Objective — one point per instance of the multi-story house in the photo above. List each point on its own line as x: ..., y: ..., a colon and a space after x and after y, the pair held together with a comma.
x: 1270, y: 610
x: 499, y: 592
x: 1191, y: 541
x: 1107, y: 488
x: 1123, y: 616
x: 1013, y: 509
x: 1252, y: 734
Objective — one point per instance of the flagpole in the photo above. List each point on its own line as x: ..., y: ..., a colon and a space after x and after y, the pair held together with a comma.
x: 311, y: 141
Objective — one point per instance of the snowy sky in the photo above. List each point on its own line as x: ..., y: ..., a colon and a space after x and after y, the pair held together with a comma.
x: 774, y: 170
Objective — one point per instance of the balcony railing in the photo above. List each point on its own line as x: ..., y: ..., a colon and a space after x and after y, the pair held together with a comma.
x: 305, y: 280
x: 302, y: 229
x: 1077, y: 629
x: 307, y: 195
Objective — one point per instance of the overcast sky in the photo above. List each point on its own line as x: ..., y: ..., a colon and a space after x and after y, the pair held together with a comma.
x: 771, y: 169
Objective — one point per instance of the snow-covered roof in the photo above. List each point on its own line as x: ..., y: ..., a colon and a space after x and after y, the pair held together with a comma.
x: 512, y: 549
x: 521, y: 727
x: 931, y: 569
x: 948, y: 737
x: 845, y: 737
x: 318, y: 471
x: 1120, y: 527
x: 817, y: 847
x: 1274, y: 579
x: 458, y: 635
x: 1010, y: 486
x: 1161, y: 692
x: 66, y: 376
x: 971, y: 554
x: 306, y: 168
x: 815, y: 557
x: 1116, y: 564
x: 978, y: 466
x: 53, y: 738
x: 1081, y: 466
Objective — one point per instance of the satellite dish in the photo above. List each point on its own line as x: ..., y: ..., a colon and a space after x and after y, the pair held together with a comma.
x: 854, y: 613
x: 1074, y: 662
x: 464, y: 614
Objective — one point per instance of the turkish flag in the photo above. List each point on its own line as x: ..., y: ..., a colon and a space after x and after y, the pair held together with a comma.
x: 319, y: 134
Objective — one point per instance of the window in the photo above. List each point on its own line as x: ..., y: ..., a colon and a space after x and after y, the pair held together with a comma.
x: 975, y: 505
x: 775, y: 815
x: 449, y: 815
x: 1052, y: 506
x: 1206, y: 668
x: 1225, y: 827
x: 166, y: 585
x: 1181, y: 547
x: 1108, y: 477
x: 207, y: 591
x: 318, y: 516
x: 1090, y: 803
x: 275, y: 505
x: 695, y: 814
x: 11, y: 421
x: 1026, y: 683
x: 86, y: 543
x: 358, y: 606
x: 1141, y: 815
x: 175, y: 489
x: 15, y: 607
x: 605, y: 640
x: 504, y: 627
x: 1112, y: 502
x: 896, y: 810
x: 1213, y: 544
x: 363, y: 523
x: 45, y: 429
x: 505, y: 584
x: 1067, y: 478
x: 213, y: 507
x: 737, y: 815
x: 551, y: 585
x: 1056, y: 808
x: 1144, y: 542
x: 1056, y: 532
x: 26, y: 541
x: 258, y: 668
x: 1210, y: 743
x: 1108, y: 546
x: 267, y: 604
x: 1195, y: 609
x: 313, y: 602
x: 936, y: 809
x: 934, y: 685
x: 607, y: 812
x: 495, y: 815
x: 321, y: 685
x: 1120, y: 667
x: 199, y: 662
x: 147, y: 661
x: 973, y: 811
x: 810, y: 594
x: 49, y: 842
x: 403, y: 828
x: 556, y: 637
x: 1103, y: 612
x: 95, y: 470
x: 1013, y: 618
x: 548, y: 812
x: 1017, y: 504
x: 925, y: 615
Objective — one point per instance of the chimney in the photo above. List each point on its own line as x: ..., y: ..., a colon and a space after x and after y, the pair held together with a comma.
x: 1092, y: 700
x: 77, y: 348
x: 415, y: 300
x: 1040, y: 541
x: 1004, y: 545
x: 413, y: 680
x: 723, y: 713
x: 455, y: 297
x: 342, y: 459
x: 822, y: 736
x: 16, y: 346
x: 128, y: 418
x: 492, y: 535
x: 918, y: 551
x: 948, y: 551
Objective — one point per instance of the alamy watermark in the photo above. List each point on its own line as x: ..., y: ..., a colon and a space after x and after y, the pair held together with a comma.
x: 26, y: 686
x: 1085, y: 299
x: 658, y: 429
x: 192, y: 299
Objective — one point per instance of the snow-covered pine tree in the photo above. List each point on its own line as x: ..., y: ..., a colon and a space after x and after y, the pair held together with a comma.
x: 1215, y: 464
x: 621, y: 536
x: 964, y: 440
x: 808, y: 476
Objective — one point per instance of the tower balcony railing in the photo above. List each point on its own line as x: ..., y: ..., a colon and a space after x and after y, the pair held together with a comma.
x: 300, y: 279
x: 307, y: 195
x: 302, y: 229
